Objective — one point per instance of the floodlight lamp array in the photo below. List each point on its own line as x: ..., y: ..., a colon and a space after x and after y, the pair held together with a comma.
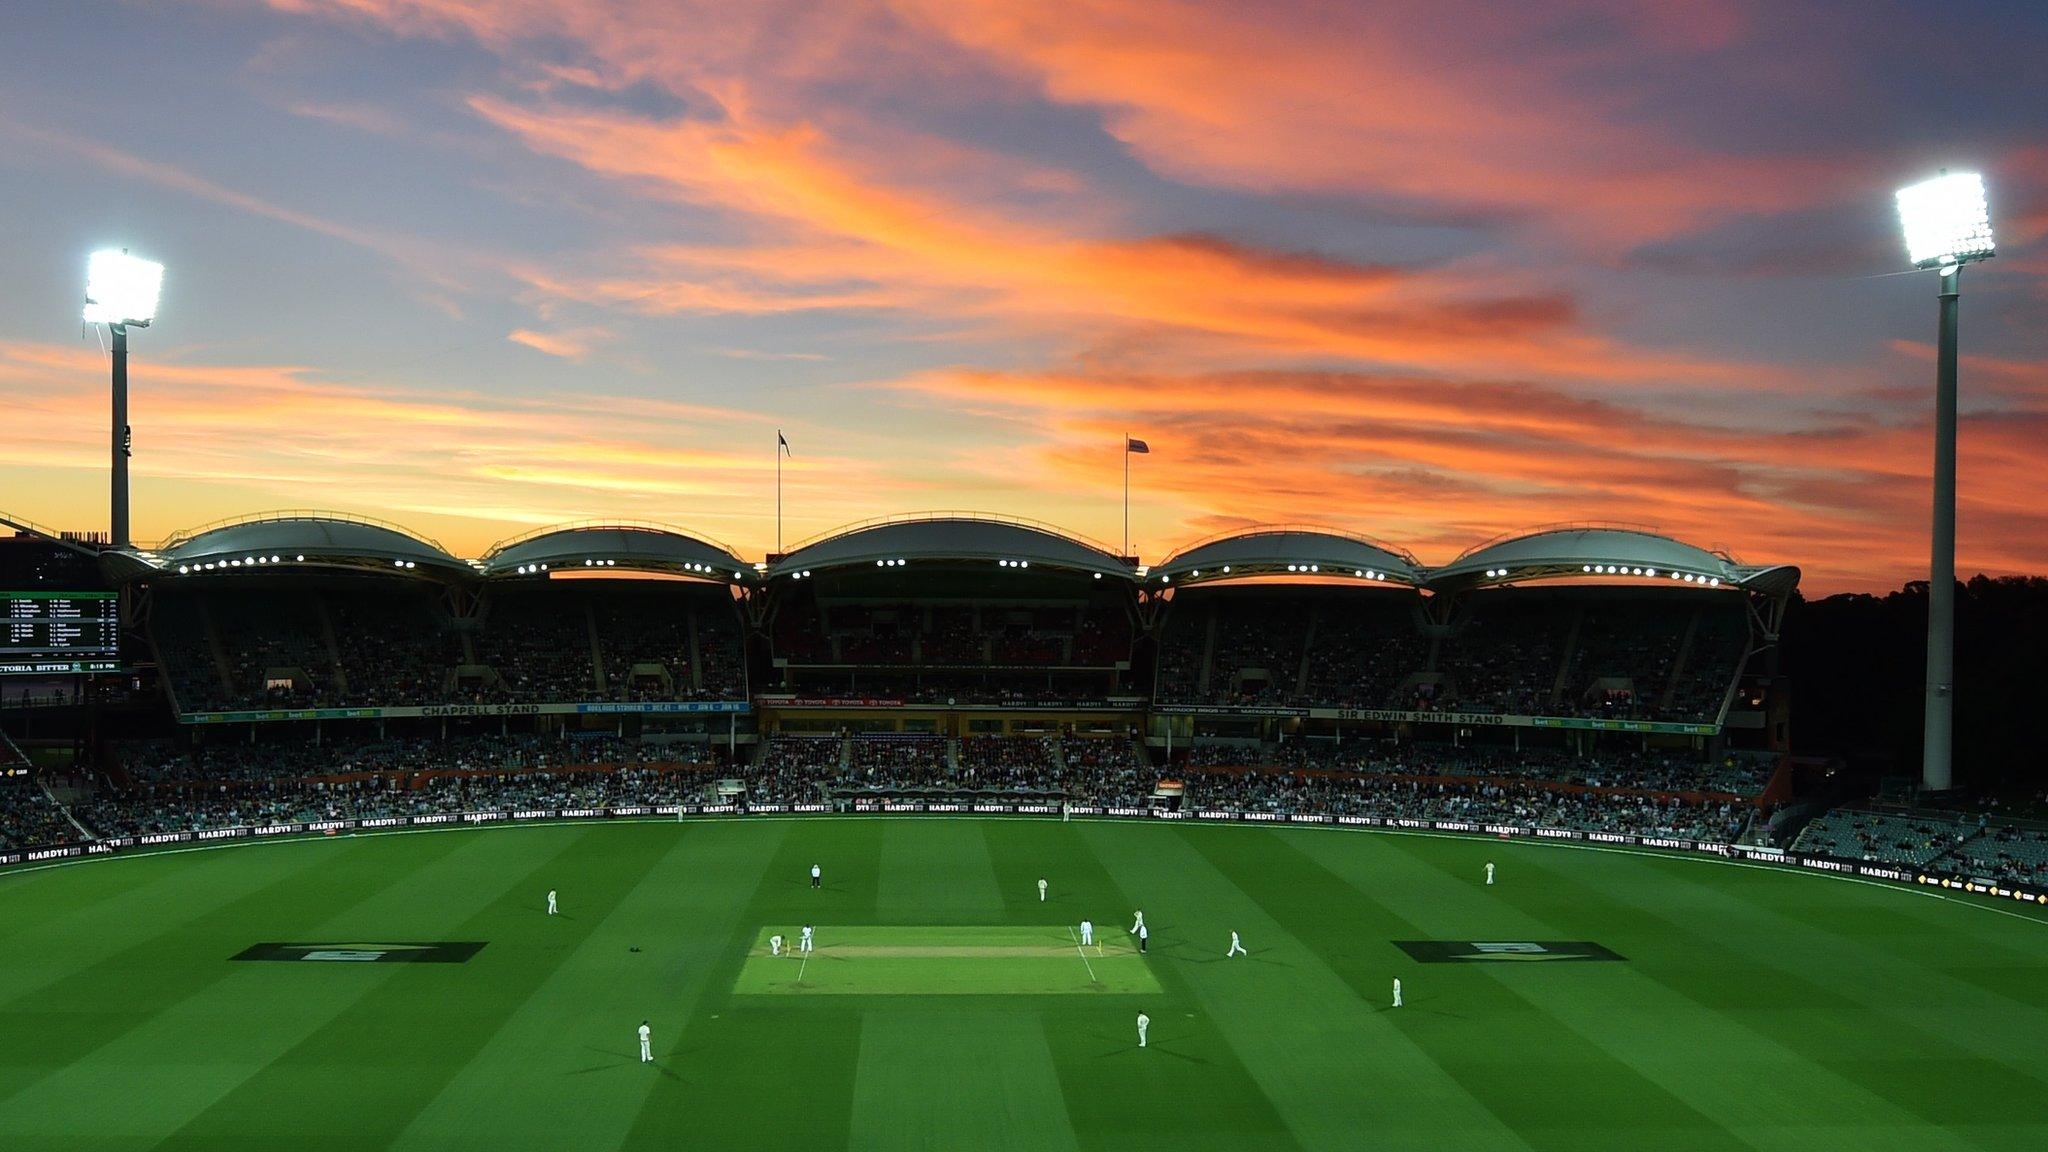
x: 1947, y: 221
x: 121, y: 289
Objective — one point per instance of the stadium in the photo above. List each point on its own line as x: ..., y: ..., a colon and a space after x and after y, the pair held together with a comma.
x: 1563, y: 683
x: 333, y: 745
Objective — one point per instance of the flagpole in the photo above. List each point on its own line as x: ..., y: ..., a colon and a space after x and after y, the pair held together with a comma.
x: 778, y: 490
x: 1127, y: 493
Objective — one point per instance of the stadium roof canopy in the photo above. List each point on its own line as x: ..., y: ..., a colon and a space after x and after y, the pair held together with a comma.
x: 304, y: 539
x: 1288, y: 550
x: 950, y: 537
x: 613, y: 545
x: 1606, y: 553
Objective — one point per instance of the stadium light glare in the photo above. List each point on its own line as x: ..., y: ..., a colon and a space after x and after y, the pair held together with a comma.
x: 182, y: 569
x: 1226, y: 569
x: 1098, y: 575
x: 1946, y: 220
x: 302, y: 557
x: 121, y: 289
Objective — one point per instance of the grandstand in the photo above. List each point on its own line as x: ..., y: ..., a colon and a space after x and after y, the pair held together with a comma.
x: 1527, y: 626
x: 316, y: 611
x: 951, y: 609
x: 359, y: 666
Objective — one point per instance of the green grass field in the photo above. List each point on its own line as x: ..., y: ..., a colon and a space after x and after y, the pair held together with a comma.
x: 1750, y: 1008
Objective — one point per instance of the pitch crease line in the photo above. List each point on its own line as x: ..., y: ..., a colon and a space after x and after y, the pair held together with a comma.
x: 1083, y: 955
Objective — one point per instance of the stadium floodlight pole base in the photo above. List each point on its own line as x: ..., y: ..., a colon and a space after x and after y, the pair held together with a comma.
x: 1937, y: 746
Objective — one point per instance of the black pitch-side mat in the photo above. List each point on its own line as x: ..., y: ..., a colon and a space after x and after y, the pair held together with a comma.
x: 1503, y: 951
x: 366, y: 952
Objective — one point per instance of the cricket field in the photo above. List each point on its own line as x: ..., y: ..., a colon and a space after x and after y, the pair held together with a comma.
x: 410, y: 991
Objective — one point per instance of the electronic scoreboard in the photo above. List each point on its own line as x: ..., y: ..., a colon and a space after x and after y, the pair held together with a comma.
x: 45, y: 633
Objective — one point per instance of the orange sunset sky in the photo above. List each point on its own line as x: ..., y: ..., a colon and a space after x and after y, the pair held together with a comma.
x: 1428, y: 271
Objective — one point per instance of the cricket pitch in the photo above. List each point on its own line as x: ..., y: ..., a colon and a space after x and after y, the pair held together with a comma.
x: 928, y: 960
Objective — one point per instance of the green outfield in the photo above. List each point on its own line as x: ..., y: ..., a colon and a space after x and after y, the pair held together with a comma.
x: 409, y: 991
x: 945, y: 960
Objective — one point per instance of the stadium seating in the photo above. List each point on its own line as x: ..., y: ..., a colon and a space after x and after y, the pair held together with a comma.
x: 373, y: 644
x: 30, y: 819
x: 2010, y: 853
x: 1645, y: 656
x: 538, y: 644
x: 1909, y: 838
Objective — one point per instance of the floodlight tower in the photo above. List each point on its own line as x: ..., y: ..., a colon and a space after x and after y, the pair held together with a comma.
x: 1947, y: 225
x: 121, y: 292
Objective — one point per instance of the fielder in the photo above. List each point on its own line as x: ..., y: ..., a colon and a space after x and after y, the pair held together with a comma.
x: 1144, y: 1022
x: 1087, y: 931
x: 815, y: 873
x: 1140, y: 923
x: 646, y: 1043
x: 1236, y: 948
x: 775, y: 944
x: 1144, y: 934
x: 1041, y: 889
x: 1397, y: 991
x: 551, y: 901
x: 804, y: 945
x: 1489, y: 872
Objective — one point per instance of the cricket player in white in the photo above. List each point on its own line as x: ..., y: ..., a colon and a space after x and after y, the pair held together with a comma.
x: 775, y: 944
x: 1144, y: 935
x: 1087, y: 931
x: 1489, y: 872
x: 646, y: 1043
x: 1144, y: 1022
x: 1041, y: 889
x: 1236, y: 948
x: 815, y: 873
x: 1139, y: 923
x: 805, y: 943
x: 551, y: 901
x: 1397, y: 991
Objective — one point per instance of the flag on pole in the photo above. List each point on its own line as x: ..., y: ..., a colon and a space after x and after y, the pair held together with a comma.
x: 1132, y: 444
x: 782, y: 442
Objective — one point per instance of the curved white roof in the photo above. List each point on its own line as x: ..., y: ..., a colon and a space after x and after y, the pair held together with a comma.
x: 329, y: 539
x: 1599, y: 551
x: 642, y: 547
x: 953, y: 536
x: 1289, y: 549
